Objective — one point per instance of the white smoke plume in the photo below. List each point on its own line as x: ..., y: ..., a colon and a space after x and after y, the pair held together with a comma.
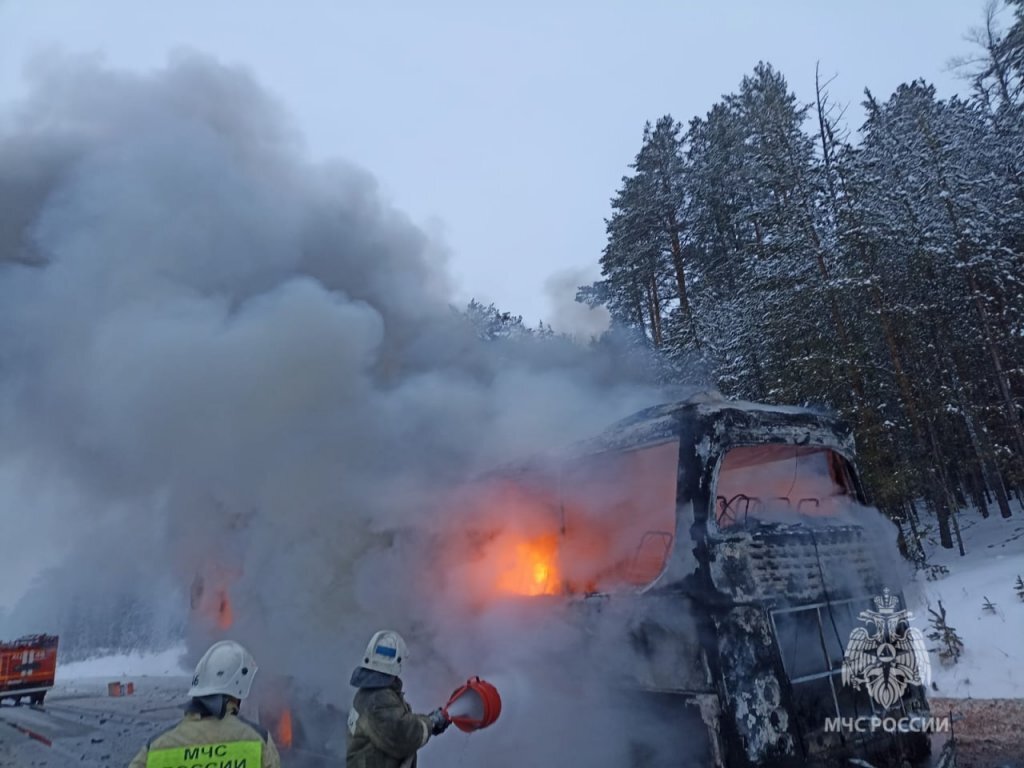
x: 568, y: 315
x: 226, y: 367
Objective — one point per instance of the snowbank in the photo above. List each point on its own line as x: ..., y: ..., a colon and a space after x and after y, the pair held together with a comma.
x: 992, y: 665
x: 162, y: 664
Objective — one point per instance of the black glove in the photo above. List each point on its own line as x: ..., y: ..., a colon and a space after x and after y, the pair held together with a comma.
x: 439, y: 722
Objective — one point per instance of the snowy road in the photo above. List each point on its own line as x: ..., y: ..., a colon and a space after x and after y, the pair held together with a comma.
x: 80, y: 725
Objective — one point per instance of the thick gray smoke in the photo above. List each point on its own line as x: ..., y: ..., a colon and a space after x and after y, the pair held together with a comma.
x: 228, y: 372
x: 568, y: 315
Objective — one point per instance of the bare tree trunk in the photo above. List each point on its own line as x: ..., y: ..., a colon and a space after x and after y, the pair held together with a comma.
x: 654, y: 311
x: 991, y: 43
x: 678, y: 267
x: 979, y: 440
x: 913, y: 521
x: 852, y: 371
x: 945, y: 512
x: 940, y: 501
x: 977, y: 491
x: 1012, y: 416
x: 956, y: 530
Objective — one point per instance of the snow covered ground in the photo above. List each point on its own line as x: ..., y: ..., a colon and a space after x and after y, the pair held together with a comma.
x: 992, y: 665
x: 129, y: 665
x: 80, y: 725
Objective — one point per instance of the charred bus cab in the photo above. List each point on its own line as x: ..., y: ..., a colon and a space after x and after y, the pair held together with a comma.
x: 731, y: 543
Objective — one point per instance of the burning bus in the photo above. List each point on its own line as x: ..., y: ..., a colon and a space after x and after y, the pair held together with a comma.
x: 731, y: 544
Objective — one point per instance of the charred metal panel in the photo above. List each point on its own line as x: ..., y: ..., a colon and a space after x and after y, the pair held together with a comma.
x: 682, y: 560
x: 661, y: 648
x: 752, y: 424
x: 676, y: 731
x: 753, y: 698
x: 645, y: 428
x: 795, y: 564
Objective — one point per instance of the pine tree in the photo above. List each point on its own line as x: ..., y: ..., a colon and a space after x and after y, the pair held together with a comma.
x: 915, y: 182
x: 884, y: 278
x: 988, y: 606
x: 779, y: 222
x: 997, y: 71
x: 492, y: 323
x: 1019, y: 587
x: 752, y: 192
x: 660, y: 173
x: 633, y: 266
x: 725, y: 304
x: 951, y: 645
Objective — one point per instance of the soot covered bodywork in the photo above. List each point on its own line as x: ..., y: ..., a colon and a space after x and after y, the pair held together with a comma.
x: 738, y: 640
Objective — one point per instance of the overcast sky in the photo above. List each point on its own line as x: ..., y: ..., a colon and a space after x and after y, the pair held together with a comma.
x: 505, y: 126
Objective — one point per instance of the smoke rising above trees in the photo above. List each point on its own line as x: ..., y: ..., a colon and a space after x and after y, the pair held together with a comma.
x: 231, y: 371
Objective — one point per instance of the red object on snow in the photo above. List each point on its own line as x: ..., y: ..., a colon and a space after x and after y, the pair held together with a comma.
x: 474, y: 706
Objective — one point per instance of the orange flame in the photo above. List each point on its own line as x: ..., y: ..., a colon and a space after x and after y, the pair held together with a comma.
x: 528, y: 567
x: 225, y: 616
x: 283, y: 731
x: 209, y: 596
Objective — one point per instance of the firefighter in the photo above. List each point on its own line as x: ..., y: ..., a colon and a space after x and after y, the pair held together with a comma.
x: 211, y: 732
x: 383, y: 730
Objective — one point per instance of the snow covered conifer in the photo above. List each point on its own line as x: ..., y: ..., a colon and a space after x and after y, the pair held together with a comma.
x: 951, y: 645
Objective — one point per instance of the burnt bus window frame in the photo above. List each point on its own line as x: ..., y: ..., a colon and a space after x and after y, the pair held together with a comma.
x: 832, y: 668
x: 840, y: 468
x: 668, y: 538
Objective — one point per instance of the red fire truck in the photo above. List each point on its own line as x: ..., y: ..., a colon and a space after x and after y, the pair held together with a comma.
x: 27, y: 668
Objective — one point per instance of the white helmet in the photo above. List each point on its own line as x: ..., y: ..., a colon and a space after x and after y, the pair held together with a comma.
x: 226, y: 668
x: 385, y: 653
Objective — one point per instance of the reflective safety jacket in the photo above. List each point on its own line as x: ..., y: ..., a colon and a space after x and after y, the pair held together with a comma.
x: 210, y: 742
x: 383, y: 730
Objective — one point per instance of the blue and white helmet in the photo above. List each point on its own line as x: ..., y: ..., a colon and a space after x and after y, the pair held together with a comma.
x: 385, y: 653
